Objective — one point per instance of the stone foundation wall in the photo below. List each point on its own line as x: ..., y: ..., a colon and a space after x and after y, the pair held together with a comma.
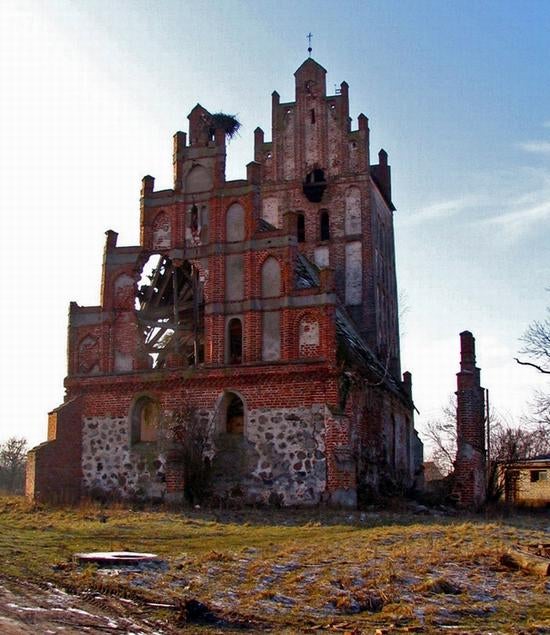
x: 280, y: 458
x: 111, y: 466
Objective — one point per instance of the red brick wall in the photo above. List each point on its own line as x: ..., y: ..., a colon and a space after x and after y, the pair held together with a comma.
x: 54, y: 470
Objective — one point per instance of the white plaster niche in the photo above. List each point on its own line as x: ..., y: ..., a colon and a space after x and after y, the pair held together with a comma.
x: 271, y: 278
x: 321, y: 256
x: 271, y: 336
x: 234, y: 277
x: 270, y: 211
x: 353, y: 211
x: 235, y: 223
x: 199, y: 179
x: 354, y: 273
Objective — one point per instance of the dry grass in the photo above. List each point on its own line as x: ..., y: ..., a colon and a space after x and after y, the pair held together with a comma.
x: 296, y: 571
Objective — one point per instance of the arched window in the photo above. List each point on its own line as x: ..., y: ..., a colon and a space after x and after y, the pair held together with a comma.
x: 271, y: 278
x: 235, y: 341
x: 234, y: 417
x: 324, y: 225
x: 301, y: 228
x: 144, y: 420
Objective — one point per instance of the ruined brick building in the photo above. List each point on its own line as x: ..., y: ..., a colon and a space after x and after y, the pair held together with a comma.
x: 264, y: 308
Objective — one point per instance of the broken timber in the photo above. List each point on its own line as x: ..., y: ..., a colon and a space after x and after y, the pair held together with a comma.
x: 533, y: 559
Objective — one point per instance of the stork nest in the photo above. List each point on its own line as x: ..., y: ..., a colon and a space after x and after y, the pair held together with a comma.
x: 228, y: 123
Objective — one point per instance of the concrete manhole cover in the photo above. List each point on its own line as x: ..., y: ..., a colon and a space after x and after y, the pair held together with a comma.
x: 116, y: 558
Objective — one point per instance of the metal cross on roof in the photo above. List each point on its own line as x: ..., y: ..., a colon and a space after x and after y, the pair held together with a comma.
x: 309, y: 49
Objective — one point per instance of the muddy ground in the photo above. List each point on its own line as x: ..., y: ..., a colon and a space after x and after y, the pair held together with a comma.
x: 29, y: 608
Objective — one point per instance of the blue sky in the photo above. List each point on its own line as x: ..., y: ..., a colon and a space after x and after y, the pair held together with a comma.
x: 458, y: 93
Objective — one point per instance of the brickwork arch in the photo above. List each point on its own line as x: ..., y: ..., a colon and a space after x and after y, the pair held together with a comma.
x: 226, y: 406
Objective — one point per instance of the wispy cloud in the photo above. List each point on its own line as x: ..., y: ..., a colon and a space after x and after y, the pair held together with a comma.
x: 517, y: 220
x: 538, y: 147
x: 513, y: 203
x: 546, y: 124
x: 523, y: 210
x: 440, y: 210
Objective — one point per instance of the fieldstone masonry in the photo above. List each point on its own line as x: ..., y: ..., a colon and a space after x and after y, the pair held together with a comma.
x: 290, y: 446
x: 111, y: 465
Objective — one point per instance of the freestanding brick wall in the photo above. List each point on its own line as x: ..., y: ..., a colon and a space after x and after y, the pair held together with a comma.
x: 470, y: 487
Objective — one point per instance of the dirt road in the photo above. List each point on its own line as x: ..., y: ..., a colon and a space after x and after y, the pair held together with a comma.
x: 45, y: 609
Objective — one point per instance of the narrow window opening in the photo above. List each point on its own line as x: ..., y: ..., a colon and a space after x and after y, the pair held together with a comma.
x: 325, y: 225
x: 235, y: 332
x: 301, y: 228
x: 314, y: 185
x: 194, y: 218
x: 312, y: 115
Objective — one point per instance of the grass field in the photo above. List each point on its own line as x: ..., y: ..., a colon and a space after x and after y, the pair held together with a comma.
x: 291, y: 571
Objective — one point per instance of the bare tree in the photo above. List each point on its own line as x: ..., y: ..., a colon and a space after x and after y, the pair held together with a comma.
x: 191, y: 443
x: 441, y: 434
x: 536, y: 340
x: 508, y: 442
x: 13, y: 456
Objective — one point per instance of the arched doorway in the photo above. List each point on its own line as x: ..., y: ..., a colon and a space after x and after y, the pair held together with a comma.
x: 234, y: 458
x: 234, y: 416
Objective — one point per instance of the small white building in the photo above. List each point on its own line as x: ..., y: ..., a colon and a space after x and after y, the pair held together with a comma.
x: 527, y: 482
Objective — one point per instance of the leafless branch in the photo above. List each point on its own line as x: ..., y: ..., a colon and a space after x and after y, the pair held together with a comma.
x: 539, y: 368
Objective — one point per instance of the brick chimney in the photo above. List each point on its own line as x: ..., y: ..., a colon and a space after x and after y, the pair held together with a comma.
x: 470, y: 486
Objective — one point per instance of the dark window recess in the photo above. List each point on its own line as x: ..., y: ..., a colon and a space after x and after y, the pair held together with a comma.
x: 235, y: 331
x: 312, y: 114
x: 314, y: 185
x: 235, y: 416
x: 325, y: 225
x: 301, y: 228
